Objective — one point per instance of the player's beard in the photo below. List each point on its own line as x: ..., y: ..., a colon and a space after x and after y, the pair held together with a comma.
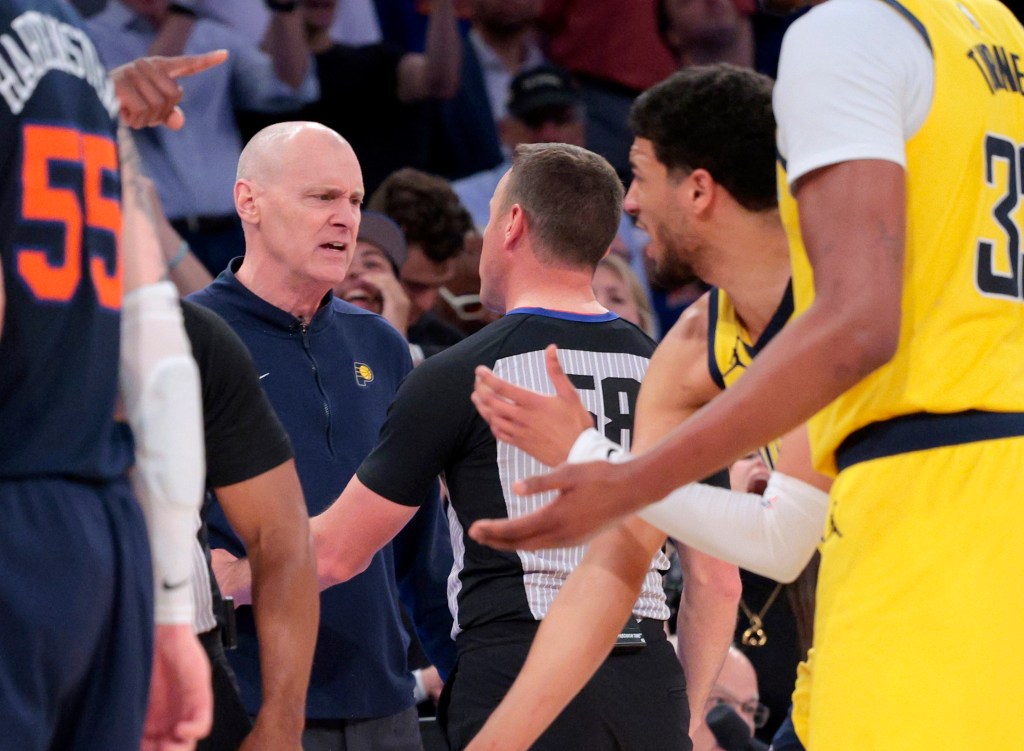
x: 671, y: 270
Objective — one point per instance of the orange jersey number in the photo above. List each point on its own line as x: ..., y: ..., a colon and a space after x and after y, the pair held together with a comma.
x: 53, y: 278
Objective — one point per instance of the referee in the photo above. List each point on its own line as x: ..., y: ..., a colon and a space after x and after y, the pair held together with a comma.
x: 553, y: 217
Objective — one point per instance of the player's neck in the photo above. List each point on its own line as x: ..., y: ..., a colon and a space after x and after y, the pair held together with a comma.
x: 755, y: 272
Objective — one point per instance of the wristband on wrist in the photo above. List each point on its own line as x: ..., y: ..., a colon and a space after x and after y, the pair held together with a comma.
x: 592, y: 446
x: 419, y: 691
x: 282, y: 6
x: 179, y: 256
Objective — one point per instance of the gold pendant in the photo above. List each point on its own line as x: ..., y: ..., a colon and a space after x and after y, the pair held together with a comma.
x: 755, y: 635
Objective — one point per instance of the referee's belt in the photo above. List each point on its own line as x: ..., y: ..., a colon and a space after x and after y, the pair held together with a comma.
x: 504, y: 633
x: 205, y: 225
x: 926, y: 430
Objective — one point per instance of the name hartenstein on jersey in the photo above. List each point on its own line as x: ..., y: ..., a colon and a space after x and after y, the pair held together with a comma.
x: 37, y: 44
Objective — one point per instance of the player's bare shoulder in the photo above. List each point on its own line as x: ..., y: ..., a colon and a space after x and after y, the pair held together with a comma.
x: 683, y: 354
x: 678, y: 382
x: 692, y: 327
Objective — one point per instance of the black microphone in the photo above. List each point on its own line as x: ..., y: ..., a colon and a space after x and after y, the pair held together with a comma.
x: 730, y: 731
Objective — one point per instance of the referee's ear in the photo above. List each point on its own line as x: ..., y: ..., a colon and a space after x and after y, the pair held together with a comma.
x: 516, y: 227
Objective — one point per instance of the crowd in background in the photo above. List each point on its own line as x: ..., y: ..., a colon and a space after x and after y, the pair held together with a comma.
x: 421, y: 85
x: 434, y: 96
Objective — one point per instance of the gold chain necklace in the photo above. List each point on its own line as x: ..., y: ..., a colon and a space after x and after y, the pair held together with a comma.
x: 755, y: 636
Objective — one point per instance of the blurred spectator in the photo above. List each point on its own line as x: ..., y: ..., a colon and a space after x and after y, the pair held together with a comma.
x: 503, y: 39
x: 459, y: 301
x: 500, y: 43
x: 613, y: 48
x: 372, y: 279
x: 404, y: 22
x: 543, y: 106
x: 736, y: 687
x: 435, y: 225
x: 194, y: 168
x: 182, y: 267
x: 700, y: 32
x: 618, y: 289
x: 355, y: 23
x: 370, y: 94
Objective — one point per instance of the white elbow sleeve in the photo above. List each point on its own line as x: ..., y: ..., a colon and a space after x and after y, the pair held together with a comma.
x: 774, y: 534
x: 160, y: 387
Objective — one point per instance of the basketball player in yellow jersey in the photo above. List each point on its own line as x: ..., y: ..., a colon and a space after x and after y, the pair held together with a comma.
x: 710, y: 208
x: 900, y: 127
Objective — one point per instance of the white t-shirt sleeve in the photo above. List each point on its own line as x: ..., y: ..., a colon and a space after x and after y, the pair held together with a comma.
x: 855, y: 82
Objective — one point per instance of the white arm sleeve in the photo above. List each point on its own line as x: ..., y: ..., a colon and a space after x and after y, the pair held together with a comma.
x: 774, y: 534
x: 160, y: 388
x: 855, y: 82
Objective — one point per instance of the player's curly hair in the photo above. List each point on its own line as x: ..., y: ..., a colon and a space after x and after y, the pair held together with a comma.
x: 427, y: 210
x: 718, y: 118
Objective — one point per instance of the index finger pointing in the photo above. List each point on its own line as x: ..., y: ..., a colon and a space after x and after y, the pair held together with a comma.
x: 187, y: 65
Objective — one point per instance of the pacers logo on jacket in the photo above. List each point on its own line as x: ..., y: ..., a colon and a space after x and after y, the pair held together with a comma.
x: 364, y: 374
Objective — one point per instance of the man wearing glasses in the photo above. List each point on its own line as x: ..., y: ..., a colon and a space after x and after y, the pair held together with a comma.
x: 736, y: 688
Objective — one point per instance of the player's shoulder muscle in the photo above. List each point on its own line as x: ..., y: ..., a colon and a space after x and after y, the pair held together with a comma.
x: 678, y: 381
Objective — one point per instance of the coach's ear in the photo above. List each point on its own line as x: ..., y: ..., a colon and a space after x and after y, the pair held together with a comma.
x: 245, y: 202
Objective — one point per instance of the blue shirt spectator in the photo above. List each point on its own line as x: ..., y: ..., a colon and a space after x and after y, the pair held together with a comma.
x: 544, y: 106
x: 194, y: 168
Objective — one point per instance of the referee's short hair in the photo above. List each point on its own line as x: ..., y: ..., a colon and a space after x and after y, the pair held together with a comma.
x: 571, y: 198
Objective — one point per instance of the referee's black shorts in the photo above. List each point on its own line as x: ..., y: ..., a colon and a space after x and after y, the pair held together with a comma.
x: 635, y: 702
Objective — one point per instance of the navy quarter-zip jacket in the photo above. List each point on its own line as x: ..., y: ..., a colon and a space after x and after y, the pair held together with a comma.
x: 330, y: 382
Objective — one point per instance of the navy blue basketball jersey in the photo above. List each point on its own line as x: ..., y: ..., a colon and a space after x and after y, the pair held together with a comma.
x: 60, y: 224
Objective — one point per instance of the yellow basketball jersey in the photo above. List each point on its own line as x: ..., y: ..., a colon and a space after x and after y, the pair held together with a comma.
x: 961, y: 343
x: 731, y: 348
